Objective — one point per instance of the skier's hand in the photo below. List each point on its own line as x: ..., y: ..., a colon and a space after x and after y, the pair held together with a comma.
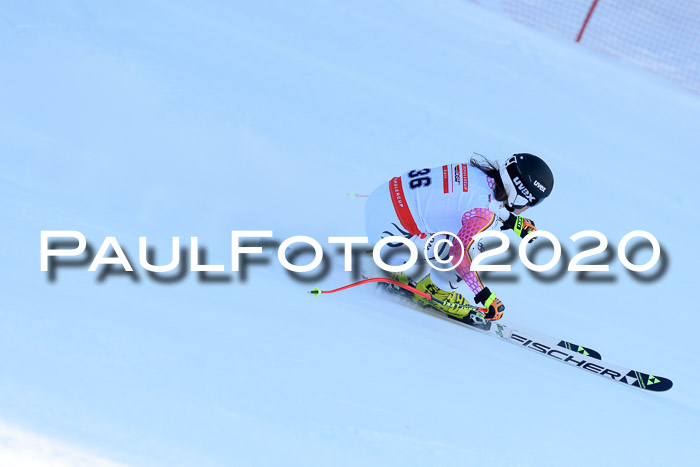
x: 520, y: 225
x: 492, y: 303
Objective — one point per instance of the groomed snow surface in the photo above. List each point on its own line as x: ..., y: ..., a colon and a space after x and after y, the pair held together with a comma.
x: 163, y: 119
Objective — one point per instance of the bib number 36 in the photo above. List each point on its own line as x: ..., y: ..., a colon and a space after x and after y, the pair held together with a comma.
x: 418, y: 178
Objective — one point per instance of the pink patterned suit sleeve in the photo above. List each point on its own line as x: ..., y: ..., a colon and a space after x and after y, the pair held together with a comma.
x: 473, y: 221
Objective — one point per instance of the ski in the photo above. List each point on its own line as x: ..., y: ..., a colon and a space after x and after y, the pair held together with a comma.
x: 543, y: 344
x: 581, y: 357
x: 575, y: 355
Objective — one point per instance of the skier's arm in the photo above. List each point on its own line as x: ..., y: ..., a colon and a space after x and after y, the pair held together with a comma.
x: 475, y: 221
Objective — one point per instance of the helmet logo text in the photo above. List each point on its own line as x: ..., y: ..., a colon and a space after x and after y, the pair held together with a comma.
x: 524, y: 191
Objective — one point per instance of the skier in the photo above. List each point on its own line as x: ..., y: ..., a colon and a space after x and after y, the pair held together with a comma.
x: 458, y: 198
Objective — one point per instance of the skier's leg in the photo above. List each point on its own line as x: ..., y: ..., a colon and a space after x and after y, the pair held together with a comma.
x: 443, y: 285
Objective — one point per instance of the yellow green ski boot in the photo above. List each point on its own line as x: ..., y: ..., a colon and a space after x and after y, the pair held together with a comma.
x: 453, y: 302
x: 404, y: 279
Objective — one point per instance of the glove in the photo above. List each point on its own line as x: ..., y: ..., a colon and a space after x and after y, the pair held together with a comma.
x: 490, y: 301
x: 520, y: 225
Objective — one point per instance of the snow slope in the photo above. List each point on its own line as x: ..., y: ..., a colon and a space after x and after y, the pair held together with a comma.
x: 164, y: 119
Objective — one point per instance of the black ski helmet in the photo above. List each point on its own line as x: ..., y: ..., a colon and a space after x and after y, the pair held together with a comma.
x: 527, y: 180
